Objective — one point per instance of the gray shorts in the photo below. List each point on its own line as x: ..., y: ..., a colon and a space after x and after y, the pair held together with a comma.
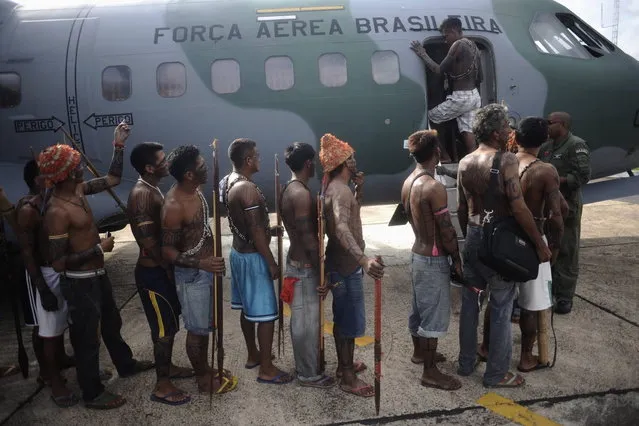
x: 431, y: 296
x: 460, y: 105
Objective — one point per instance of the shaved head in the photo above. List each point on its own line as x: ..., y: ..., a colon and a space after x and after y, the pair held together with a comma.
x: 563, y: 117
x: 559, y: 124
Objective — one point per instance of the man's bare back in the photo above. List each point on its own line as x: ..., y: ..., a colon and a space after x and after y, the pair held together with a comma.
x: 144, y: 209
x: 299, y: 216
x: 474, y: 177
x: 422, y: 219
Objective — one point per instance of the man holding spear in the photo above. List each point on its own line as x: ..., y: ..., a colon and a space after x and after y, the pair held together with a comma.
x: 303, y: 266
x: 187, y: 243
x: 345, y: 258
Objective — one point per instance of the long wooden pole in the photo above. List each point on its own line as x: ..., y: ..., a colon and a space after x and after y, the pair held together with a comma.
x: 92, y: 168
x: 280, y: 278
x: 378, y: 339
x: 322, y: 280
x: 218, y: 289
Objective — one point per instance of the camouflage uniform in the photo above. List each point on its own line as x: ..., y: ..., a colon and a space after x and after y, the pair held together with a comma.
x: 571, y: 158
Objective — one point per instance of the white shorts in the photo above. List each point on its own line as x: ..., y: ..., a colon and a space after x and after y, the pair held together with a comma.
x: 461, y: 105
x: 52, y: 324
x: 536, y: 295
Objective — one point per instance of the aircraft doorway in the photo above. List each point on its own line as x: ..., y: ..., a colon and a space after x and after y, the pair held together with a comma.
x: 436, y: 92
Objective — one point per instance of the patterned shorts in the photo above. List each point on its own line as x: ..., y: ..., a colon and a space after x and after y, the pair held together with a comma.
x: 461, y: 105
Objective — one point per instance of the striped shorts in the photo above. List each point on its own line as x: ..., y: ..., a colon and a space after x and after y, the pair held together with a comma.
x: 159, y: 300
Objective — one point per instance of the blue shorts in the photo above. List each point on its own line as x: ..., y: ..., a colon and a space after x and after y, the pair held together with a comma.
x: 194, y: 292
x: 349, y: 313
x: 159, y: 300
x: 252, y: 287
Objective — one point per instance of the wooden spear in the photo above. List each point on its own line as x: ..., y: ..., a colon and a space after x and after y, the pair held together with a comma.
x: 280, y: 278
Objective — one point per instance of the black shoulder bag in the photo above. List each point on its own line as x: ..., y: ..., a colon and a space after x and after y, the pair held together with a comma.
x: 401, y: 215
x: 505, y: 246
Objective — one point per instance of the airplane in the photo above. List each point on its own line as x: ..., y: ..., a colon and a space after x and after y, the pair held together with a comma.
x: 278, y: 71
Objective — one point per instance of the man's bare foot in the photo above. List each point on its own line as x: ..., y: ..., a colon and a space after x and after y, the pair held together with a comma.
x: 274, y: 375
x: 204, y: 384
x: 433, y: 378
x: 417, y: 359
x: 167, y: 393
x: 176, y: 372
x: 254, y: 361
x: 358, y: 366
x: 358, y: 387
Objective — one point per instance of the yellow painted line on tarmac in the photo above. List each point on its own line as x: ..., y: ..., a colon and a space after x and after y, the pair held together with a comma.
x: 328, y: 329
x: 511, y: 410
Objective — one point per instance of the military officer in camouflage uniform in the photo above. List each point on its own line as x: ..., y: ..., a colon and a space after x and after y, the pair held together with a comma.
x: 571, y: 157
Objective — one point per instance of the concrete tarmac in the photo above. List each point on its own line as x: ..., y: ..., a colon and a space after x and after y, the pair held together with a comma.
x: 595, y: 380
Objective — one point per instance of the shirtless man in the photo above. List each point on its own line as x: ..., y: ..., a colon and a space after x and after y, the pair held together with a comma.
x: 492, y: 131
x: 50, y: 309
x: 153, y: 275
x: 462, y: 64
x: 299, y: 209
x: 77, y: 253
x: 345, y: 258
x: 253, y: 267
x: 540, y: 186
x: 426, y: 201
x: 187, y: 244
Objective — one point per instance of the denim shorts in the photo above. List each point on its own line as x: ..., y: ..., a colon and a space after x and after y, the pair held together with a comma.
x: 349, y: 313
x: 194, y: 292
x: 431, y: 296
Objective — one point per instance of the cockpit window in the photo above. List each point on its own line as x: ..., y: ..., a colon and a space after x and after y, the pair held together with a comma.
x: 552, y: 37
x: 595, y: 43
x: 564, y: 34
x: 10, y: 90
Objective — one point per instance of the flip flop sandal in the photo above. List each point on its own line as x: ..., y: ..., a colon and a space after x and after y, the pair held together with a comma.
x: 439, y: 386
x: 229, y: 385
x: 360, y: 391
x: 280, y: 379
x: 536, y: 367
x: 324, y: 382
x: 105, y: 401
x: 165, y: 399
x: 9, y: 371
x: 359, y: 366
x: 510, y: 383
x: 65, y: 401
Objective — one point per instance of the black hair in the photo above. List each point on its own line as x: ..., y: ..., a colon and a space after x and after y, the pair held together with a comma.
x: 451, y: 23
x: 423, y: 145
x: 298, y: 154
x: 30, y: 173
x: 183, y: 159
x: 532, y: 132
x: 144, y: 154
x: 238, y: 151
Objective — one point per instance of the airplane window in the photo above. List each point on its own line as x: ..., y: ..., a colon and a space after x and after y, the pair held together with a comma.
x: 116, y: 83
x: 332, y: 69
x: 385, y: 67
x: 595, y: 43
x: 279, y: 73
x: 171, y: 79
x: 10, y: 90
x: 225, y: 76
x: 564, y: 35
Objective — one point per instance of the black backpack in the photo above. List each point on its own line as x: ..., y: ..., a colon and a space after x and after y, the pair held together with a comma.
x: 505, y: 247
